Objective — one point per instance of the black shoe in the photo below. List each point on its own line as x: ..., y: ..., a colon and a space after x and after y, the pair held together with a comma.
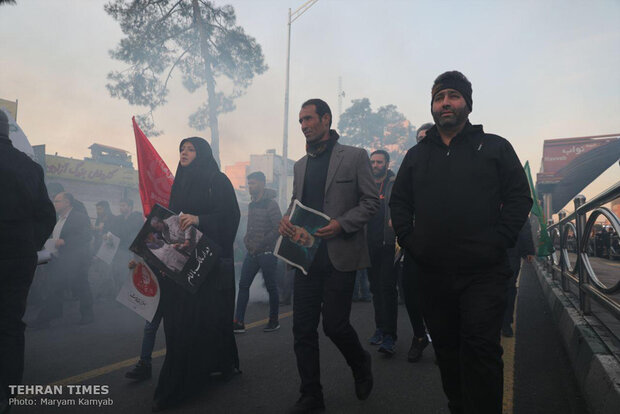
x: 308, y: 403
x: 85, y: 320
x: 363, y: 378
x: 417, y: 348
x: 141, y: 372
x: 272, y: 326
x: 507, y: 331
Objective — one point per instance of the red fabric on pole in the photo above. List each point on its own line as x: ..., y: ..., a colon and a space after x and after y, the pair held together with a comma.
x: 154, y: 176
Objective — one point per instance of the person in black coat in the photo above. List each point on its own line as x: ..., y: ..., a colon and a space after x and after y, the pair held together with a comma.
x: 198, y: 327
x: 523, y: 249
x: 70, y: 261
x: 26, y: 219
x: 470, y: 197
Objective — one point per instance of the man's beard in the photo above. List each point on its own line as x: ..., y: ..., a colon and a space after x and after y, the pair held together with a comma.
x: 460, y: 116
x: 381, y: 172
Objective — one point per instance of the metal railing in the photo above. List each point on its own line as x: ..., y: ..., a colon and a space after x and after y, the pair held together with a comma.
x: 574, y: 233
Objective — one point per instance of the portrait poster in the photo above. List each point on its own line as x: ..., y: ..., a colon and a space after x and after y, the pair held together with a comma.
x: 185, y: 256
x: 299, y: 250
x: 140, y: 292
x: 108, y: 248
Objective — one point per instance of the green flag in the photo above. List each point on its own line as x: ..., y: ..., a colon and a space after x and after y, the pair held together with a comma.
x: 545, y: 247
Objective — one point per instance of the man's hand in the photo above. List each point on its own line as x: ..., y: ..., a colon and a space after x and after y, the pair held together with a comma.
x: 530, y: 258
x: 187, y: 220
x: 331, y: 230
x: 59, y: 243
x: 132, y: 264
x: 286, y: 229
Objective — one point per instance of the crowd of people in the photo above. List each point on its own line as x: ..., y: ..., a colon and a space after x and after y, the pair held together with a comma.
x: 74, y: 266
x: 441, y: 233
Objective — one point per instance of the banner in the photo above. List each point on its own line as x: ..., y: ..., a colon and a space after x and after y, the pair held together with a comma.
x: 154, y: 176
x: 89, y: 171
x: 545, y: 247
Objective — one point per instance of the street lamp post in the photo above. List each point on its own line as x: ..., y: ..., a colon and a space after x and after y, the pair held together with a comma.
x: 284, y: 174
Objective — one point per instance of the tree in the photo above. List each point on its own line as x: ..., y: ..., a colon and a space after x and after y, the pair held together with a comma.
x: 385, y: 129
x: 193, y: 37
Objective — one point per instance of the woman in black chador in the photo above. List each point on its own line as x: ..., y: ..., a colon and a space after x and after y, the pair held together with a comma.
x: 198, y: 327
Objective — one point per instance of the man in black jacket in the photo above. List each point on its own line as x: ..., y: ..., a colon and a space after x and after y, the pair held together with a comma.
x: 26, y: 219
x: 382, y: 246
x: 260, y: 239
x: 470, y: 197
x: 524, y: 248
x: 69, y: 264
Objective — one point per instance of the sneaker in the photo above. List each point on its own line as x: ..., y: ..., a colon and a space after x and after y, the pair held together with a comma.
x: 377, y: 338
x: 141, y: 372
x: 238, y: 327
x: 272, y: 326
x: 507, y: 331
x: 308, y: 403
x: 388, y: 346
x: 417, y: 348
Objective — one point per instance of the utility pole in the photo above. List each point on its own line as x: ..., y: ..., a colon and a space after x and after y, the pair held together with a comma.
x: 284, y: 174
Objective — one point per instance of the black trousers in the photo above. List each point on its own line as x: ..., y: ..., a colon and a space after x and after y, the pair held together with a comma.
x: 75, y: 278
x: 383, y: 280
x: 327, y: 291
x: 15, y: 279
x: 464, y: 314
x: 411, y: 295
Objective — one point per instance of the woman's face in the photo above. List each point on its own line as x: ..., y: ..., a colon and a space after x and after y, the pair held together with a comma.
x: 188, y: 154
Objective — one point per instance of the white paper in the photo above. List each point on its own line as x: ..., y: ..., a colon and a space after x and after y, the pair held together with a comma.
x: 50, y: 246
x: 108, y: 248
x: 43, y: 256
x: 140, y: 292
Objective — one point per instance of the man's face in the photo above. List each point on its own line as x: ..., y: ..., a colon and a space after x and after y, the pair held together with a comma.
x: 255, y: 187
x: 313, y: 127
x: 449, y: 108
x: 158, y: 225
x: 61, y: 204
x: 378, y: 164
x: 100, y: 211
x: 124, y: 208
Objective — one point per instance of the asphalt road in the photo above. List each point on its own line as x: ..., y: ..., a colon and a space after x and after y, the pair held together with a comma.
x: 100, y: 354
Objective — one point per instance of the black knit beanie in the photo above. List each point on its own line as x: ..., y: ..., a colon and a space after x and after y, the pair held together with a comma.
x: 4, y: 125
x: 453, y: 80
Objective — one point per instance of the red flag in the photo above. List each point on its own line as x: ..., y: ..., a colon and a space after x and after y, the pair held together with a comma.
x: 155, y: 177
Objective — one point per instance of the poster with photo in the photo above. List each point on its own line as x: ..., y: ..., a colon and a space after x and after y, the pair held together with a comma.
x: 299, y: 250
x: 108, y: 248
x: 186, y: 256
x: 140, y: 292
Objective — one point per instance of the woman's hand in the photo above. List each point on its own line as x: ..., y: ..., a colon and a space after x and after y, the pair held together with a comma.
x: 132, y: 264
x: 187, y: 220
